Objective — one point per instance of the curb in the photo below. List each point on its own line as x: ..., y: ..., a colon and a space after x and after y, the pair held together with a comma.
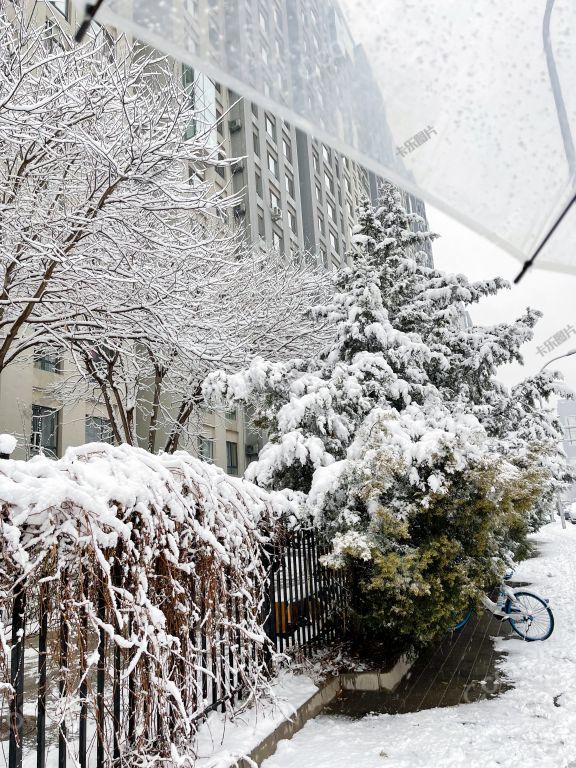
x: 350, y: 681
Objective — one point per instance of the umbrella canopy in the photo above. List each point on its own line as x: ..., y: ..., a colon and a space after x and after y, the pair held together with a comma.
x: 470, y: 105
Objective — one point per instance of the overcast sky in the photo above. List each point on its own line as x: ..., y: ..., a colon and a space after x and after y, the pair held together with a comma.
x: 461, y: 250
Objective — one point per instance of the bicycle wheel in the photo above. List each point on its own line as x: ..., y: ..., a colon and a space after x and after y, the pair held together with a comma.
x: 533, y: 620
x: 463, y: 621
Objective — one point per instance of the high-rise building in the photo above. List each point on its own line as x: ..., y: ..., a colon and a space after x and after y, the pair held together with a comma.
x: 296, y: 193
x: 567, y: 418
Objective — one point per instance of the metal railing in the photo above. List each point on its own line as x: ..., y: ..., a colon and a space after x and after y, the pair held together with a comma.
x: 78, y: 683
x: 307, y: 600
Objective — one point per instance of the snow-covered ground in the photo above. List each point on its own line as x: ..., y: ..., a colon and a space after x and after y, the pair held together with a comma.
x: 533, y: 724
x: 221, y: 742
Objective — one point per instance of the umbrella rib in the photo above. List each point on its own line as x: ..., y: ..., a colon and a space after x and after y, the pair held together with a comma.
x: 90, y: 12
x: 527, y: 264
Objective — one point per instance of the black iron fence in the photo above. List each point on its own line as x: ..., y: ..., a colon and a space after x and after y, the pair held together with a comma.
x: 73, y: 693
x: 307, y: 600
x: 74, y: 699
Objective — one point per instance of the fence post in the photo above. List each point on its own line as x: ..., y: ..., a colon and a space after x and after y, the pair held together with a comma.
x: 117, y: 664
x: 269, y: 618
x: 62, y: 684
x: 17, y: 676
x: 100, y: 680
x: 83, y: 641
x: 42, y: 645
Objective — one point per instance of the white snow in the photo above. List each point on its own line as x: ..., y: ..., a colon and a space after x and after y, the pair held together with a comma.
x: 220, y: 743
x: 523, y: 727
x: 8, y: 443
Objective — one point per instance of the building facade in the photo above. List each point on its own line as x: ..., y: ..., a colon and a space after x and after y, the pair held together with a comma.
x: 567, y: 418
x: 295, y: 193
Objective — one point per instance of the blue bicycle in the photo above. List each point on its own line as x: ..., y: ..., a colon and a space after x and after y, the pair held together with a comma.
x: 529, y: 614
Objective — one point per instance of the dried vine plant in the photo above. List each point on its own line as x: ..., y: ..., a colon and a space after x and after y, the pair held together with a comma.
x: 152, y: 571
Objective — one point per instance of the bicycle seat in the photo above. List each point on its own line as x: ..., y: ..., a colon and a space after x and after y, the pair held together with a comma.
x: 508, y: 575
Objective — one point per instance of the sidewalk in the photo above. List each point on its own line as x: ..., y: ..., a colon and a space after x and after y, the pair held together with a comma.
x: 464, y: 667
x: 532, y: 724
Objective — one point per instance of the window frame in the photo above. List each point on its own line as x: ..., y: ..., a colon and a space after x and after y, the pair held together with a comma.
x: 39, y: 412
x: 231, y: 454
x: 101, y: 422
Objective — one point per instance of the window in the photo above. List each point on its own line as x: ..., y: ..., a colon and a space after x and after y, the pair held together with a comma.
x: 259, y: 183
x: 272, y: 164
x: 254, y: 109
x: 332, y: 211
x: 277, y: 16
x: 231, y: 457
x: 318, y: 193
x: 44, y: 430
x: 289, y: 184
x: 329, y: 181
x: 188, y: 79
x: 190, y: 131
x: 206, y: 449
x: 264, y: 54
x: 333, y: 240
x: 61, y: 5
x: 47, y: 362
x: 218, y: 119
x: 325, y: 153
x: 278, y: 241
x: 214, y: 36
x: 287, y: 146
x: 261, y: 227
x: 256, y: 140
x: 274, y: 198
x: 270, y: 126
x: 321, y: 223
x: 316, y: 161
x: 263, y: 20
x: 292, y: 220
x: 97, y: 429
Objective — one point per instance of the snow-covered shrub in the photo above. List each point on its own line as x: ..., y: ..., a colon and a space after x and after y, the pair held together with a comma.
x: 164, y: 555
x: 434, y: 510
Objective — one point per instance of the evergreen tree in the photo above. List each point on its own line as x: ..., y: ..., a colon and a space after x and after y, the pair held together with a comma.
x: 465, y: 358
x: 312, y: 409
x: 406, y: 449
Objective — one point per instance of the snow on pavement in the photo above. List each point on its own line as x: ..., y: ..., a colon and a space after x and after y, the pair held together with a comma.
x: 221, y: 742
x: 533, y: 724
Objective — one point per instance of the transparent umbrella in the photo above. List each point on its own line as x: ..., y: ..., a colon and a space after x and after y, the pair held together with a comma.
x: 470, y: 105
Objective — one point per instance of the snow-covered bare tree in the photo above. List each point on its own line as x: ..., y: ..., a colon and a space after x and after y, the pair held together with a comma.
x: 227, y: 305
x: 95, y: 179
x: 115, y: 247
